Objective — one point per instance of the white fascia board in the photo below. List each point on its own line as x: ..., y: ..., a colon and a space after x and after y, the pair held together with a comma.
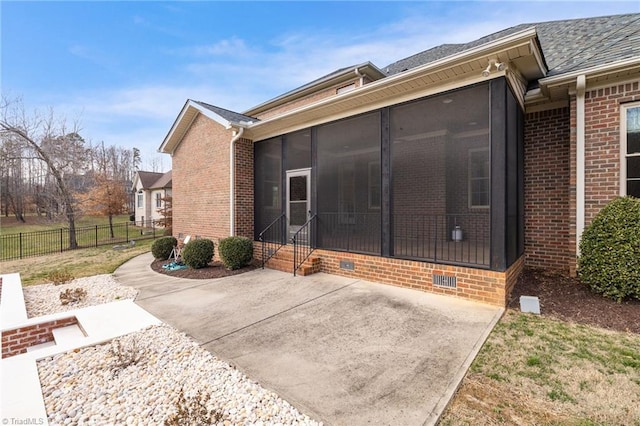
x: 488, y: 49
x: 570, y: 78
x: 189, y: 112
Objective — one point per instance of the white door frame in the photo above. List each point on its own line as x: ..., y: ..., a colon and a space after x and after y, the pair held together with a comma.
x: 292, y: 229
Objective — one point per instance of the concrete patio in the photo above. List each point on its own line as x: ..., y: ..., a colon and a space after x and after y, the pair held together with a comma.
x: 344, y: 351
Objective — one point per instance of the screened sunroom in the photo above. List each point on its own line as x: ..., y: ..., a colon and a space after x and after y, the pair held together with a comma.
x: 437, y: 179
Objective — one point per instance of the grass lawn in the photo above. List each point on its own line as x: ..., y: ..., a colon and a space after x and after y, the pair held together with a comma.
x: 535, y: 370
x: 79, y: 263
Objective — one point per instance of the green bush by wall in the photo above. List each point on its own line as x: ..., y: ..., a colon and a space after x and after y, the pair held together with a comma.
x: 162, y: 247
x: 198, y: 253
x: 235, y: 252
x: 609, y: 261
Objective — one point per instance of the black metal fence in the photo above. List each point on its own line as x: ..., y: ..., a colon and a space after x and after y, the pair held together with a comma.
x: 38, y: 243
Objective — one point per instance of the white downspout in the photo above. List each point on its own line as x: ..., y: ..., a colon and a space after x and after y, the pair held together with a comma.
x: 232, y: 181
x: 581, y: 84
x: 359, y: 74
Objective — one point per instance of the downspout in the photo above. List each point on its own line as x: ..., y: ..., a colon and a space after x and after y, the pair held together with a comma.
x: 359, y: 74
x: 581, y: 84
x: 232, y: 183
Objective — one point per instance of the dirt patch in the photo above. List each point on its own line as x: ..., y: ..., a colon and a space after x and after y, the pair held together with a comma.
x: 215, y: 269
x: 568, y: 299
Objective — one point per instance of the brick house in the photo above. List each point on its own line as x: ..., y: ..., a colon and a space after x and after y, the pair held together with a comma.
x: 447, y: 171
x: 150, y: 190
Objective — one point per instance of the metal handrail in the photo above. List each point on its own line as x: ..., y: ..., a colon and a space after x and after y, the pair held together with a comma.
x: 306, y: 234
x: 279, y: 228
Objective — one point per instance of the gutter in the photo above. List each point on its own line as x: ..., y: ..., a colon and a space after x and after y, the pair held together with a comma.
x: 359, y: 74
x: 581, y: 85
x: 232, y: 181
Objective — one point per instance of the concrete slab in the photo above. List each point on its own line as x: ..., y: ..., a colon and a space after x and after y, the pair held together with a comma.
x: 347, y: 352
x: 12, y: 309
x: 21, y: 398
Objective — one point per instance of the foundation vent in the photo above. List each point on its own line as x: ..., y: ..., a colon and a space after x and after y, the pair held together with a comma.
x: 348, y: 265
x: 444, y: 281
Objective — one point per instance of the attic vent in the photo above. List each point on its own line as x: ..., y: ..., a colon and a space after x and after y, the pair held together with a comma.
x: 444, y: 281
x: 345, y: 89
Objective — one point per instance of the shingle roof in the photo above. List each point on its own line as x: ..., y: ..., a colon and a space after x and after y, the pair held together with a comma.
x: 567, y: 45
x: 155, y: 180
x: 148, y: 178
x: 234, y: 117
x: 163, y: 182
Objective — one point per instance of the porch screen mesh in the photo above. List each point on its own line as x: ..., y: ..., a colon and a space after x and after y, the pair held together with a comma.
x: 268, y: 182
x: 298, y: 150
x: 348, y: 184
x: 441, y: 177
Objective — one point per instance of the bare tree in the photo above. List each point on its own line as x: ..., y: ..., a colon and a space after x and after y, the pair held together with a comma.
x: 46, y: 136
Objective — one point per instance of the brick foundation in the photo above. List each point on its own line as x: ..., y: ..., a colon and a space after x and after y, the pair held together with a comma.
x: 17, y: 340
x: 474, y: 284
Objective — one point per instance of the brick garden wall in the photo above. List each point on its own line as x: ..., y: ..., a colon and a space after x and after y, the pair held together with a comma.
x: 16, y: 341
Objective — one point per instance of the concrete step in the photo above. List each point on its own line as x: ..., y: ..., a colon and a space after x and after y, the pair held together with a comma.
x: 67, y: 335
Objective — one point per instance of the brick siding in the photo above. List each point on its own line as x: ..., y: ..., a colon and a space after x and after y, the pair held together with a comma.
x: 16, y: 341
x: 546, y: 189
x: 200, y: 167
x: 244, y: 188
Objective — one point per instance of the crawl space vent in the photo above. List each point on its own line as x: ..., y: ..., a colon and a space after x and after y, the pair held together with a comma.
x: 444, y: 281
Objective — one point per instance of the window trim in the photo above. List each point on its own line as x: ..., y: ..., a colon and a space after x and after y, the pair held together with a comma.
x: 140, y: 201
x: 469, y: 180
x: 158, y: 200
x: 623, y: 145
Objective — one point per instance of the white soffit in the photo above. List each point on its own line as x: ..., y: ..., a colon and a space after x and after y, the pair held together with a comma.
x: 465, y: 68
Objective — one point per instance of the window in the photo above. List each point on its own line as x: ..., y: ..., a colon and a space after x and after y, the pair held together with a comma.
x: 375, y: 193
x: 158, y: 200
x: 479, y: 178
x: 140, y: 200
x: 630, y: 145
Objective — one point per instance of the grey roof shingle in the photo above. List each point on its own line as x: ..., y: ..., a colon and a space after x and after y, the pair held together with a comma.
x: 567, y: 45
x: 148, y: 178
x: 154, y: 180
x: 234, y: 117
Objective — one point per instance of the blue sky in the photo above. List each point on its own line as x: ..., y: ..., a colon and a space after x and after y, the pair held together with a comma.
x: 125, y: 69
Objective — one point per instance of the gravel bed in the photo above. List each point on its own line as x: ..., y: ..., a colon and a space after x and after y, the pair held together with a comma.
x: 44, y: 299
x: 93, y: 386
x: 138, y: 379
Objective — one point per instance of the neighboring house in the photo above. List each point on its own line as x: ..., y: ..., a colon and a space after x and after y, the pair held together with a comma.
x: 150, y: 189
x: 447, y: 171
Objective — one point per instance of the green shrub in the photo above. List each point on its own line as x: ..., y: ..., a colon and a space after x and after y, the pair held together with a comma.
x: 235, y: 252
x: 198, y: 253
x: 609, y: 261
x: 162, y: 247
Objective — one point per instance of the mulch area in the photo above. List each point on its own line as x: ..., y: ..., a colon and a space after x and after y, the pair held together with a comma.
x: 568, y: 299
x: 560, y: 296
x: 215, y: 269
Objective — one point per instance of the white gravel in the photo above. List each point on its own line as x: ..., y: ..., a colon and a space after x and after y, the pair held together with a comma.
x: 92, y: 386
x: 44, y: 299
